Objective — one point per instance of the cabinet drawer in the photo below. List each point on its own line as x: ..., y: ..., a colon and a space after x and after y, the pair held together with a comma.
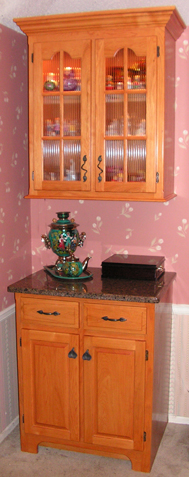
x: 115, y: 317
x: 50, y: 311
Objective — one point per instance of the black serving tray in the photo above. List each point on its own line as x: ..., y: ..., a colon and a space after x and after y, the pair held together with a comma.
x: 133, y: 267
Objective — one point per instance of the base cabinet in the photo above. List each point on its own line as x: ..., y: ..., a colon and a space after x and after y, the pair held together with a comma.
x: 86, y: 376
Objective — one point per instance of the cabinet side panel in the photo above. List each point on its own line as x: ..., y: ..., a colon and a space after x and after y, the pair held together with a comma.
x: 169, y: 114
x: 162, y: 353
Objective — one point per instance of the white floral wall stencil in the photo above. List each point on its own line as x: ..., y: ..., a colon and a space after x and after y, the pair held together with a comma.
x: 175, y: 258
x: 126, y: 210
x: 184, y: 50
x: 27, y: 225
x: 2, y: 215
x: 24, y: 58
x: 1, y: 123
x: 13, y: 72
x: 182, y: 229
x: 97, y: 225
x: 129, y: 233
x: 6, y: 98
x: 14, y: 159
x: 184, y: 140
x: 7, y: 186
x: 156, y: 245
x: 176, y: 171
x: 157, y: 216
x: 25, y: 142
x: 20, y: 197
x: 10, y: 275
x: 18, y: 112
x: 16, y: 245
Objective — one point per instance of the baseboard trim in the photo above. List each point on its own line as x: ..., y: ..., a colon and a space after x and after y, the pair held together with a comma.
x: 178, y: 419
x: 9, y: 429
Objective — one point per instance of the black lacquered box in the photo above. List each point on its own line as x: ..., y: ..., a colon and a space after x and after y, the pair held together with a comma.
x: 133, y: 267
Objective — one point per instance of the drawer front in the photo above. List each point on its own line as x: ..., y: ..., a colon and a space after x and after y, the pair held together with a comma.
x: 48, y: 311
x: 115, y: 317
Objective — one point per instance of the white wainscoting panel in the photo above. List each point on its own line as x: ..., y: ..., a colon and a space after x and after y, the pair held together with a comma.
x: 8, y: 373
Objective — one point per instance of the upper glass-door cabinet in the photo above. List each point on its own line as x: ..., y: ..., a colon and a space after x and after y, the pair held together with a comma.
x: 126, y: 125
x: 62, y: 115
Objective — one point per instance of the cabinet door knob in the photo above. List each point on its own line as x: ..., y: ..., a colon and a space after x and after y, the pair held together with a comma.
x: 101, y: 170
x: 105, y: 318
x: 86, y: 356
x: 72, y: 354
x: 41, y: 312
x: 83, y: 169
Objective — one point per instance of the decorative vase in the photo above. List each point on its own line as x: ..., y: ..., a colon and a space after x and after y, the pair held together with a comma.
x: 63, y: 239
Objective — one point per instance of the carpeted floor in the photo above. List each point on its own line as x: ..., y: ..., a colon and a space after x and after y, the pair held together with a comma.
x: 172, y: 460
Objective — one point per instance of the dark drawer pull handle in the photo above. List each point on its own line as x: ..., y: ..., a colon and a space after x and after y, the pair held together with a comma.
x: 86, y: 356
x: 105, y: 318
x: 72, y: 354
x: 83, y: 169
x: 41, y: 312
x: 100, y: 169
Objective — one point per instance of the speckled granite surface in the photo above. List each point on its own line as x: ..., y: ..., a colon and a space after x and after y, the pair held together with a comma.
x: 43, y: 283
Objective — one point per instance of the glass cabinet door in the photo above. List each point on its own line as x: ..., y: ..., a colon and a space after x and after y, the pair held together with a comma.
x: 61, y: 116
x: 126, y: 126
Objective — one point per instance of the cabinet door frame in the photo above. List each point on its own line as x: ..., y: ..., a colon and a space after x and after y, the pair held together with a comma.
x: 62, y: 343
x: 136, y: 351
x: 105, y: 48
x: 41, y: 51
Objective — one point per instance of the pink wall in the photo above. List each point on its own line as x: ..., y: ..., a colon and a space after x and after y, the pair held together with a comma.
x: 136, y: 228
x: 15, y: 237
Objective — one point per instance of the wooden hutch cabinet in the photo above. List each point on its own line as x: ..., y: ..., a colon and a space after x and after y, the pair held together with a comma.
x: 101, y: 104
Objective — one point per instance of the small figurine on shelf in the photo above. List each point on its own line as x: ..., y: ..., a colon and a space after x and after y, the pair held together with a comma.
x: 57, y: 127
x: 109, y: 82
x: 70, y: 82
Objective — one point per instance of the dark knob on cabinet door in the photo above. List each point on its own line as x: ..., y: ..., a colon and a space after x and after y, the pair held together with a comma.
x: 86, y: 356
x: 72, y: 354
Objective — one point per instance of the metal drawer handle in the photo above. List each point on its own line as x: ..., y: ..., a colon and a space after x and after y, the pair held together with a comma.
x: 72, y: 354
x: 105, y: 318
x: 41, y: 312
x: 86, y: 356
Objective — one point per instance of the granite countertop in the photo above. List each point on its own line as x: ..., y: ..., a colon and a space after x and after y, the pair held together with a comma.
x: 43, y: 283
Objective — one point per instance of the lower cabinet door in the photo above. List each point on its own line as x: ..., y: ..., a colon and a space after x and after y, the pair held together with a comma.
x: 114, y: 381
x: 51, y: 383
